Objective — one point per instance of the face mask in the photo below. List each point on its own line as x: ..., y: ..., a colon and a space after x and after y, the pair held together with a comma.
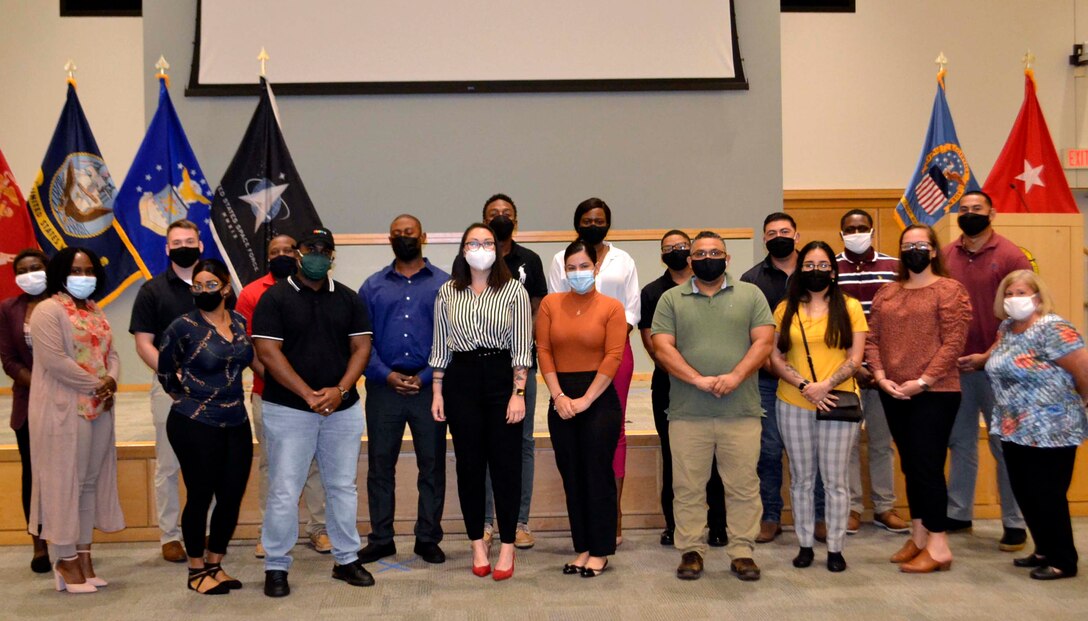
x: 80, y: 287
x: 185, y: 256
x: 676, y: 260
x: 858, y: 243
x: 208, y: 301
x: 708, y: 270
x: 1020, y: 308
x: 916, y: 260
x: 972, y: 223
x: 592, y: 235
x: 581, y: 281
x: 282, y: 266
x: 503, y: 227
x: 315, y: 265
x: 481, y: 259
x: 816, y: 280
x: 406, y: 248
x: 781, y: 247
x: 31, y: 282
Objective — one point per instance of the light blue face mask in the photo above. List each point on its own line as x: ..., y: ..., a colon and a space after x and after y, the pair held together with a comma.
x: 80, y: 287
x: 581, y: 280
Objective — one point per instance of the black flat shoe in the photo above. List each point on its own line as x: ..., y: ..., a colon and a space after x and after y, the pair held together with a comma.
x: 1031, y: 560
x: 593, y: 573
x: 41, y: 564
x: 1050, y: 573
x: 958, y: 526
x: 835, y: 562
x: 354, y: 574
x: 571, y: 569
x: 804, y: 558
x: 667, y: 537
x: 375, y: 551
x: 1013, y: 539
x: 430, y: 552
x: 214, y: 569
x: 275, y: 583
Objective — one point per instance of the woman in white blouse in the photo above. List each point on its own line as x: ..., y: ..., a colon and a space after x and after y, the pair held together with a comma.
x: 617, y: 278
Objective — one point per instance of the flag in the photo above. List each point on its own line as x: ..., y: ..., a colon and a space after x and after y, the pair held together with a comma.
x: 260, y: 196
x: 71, y: 202
x: 942, y: 174
x: 16, y: 233
x: 164, y: 184
x: 1028, y: 176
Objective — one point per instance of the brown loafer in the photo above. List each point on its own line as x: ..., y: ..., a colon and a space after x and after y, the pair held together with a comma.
x: 173, y: 551
x: 890, y: 521
x: 924, y: 564
x: 745, y: 569
x: 906, y: 553
x: 691, y: 566
x: 819, y: 532
x: 768, y: 531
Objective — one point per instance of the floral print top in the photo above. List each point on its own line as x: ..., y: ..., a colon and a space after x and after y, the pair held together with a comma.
x: 1036, y: 400
x: 91, y: 343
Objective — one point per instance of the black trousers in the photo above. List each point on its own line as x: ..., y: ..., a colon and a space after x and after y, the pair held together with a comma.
x: 921, y: 427
x: 22, y: 439
x: 584, y: 447
x: 386, y: 415
x: 476, y: 391
x: 1040, y: 479
x: 215, y: 462
x: 715, y: 490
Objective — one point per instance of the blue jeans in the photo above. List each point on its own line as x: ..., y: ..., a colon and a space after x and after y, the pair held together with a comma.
x: 769, y: 467
x: 294, y: 438
x: 528, y: 454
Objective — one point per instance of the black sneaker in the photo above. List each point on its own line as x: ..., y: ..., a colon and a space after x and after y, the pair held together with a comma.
x: 430, y: 552
x: 374, y: 551
x: 275, y: 583
x: 1013, y: 539
x: 958, y: 526
x: 354, y: 574
x: 667, y: 537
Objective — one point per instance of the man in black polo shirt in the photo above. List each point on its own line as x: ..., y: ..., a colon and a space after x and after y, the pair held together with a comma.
x: 160, y: 301
x: 501, y: 214
x: 313, y: 336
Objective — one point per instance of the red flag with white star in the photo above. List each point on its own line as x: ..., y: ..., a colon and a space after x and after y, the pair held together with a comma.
x: 15, y: 231
x: 1028, y: 176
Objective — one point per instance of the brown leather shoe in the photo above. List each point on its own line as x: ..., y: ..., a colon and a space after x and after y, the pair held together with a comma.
x: 906, y: 553
x: 890, y: 521
x: 924, y: 564
x: 745, y: 569
x: 691, y: 566
x: 173, y: 551
x: 819, y: 532
x: 768, y: 531
x: 853, y: 523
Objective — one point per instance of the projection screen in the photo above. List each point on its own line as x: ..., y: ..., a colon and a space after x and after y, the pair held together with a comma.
x: 465, y: 46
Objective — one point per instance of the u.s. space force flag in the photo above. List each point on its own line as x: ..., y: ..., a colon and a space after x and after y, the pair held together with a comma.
x: 260, y: 196
x: 164, y: 184
x: 71, y: 202
x: 942, y: 174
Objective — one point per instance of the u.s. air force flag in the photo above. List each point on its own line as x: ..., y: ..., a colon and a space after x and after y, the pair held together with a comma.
x: 71, y: 202
x: 164, y: 184
x: 260, y: 196
x: 942, y: 175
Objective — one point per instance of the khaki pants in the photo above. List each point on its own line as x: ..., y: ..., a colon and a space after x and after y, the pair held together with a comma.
x: 695, y: 444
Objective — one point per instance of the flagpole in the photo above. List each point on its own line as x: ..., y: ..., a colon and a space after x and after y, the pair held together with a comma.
x: 70, y: 68
x: 162, y: 66
x: 1028, y: 60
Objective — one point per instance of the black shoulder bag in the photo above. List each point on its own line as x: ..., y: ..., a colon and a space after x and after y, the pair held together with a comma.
x: 848, y: 406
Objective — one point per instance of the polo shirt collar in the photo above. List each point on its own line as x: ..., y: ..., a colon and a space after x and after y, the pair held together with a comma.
x: 291, y: 281
x: 768, y: 263
x: 989, y: 245
x: 868, y: 257
x: 695, y: 288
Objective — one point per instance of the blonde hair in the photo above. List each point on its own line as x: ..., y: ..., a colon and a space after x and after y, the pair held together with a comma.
x: 1031, y: 279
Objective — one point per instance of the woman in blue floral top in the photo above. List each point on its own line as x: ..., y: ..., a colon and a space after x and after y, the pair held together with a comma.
x: 1039, y: 370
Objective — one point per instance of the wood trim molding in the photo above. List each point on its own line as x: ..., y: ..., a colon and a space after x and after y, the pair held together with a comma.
x: 845, y: 199
x: 381, y: 239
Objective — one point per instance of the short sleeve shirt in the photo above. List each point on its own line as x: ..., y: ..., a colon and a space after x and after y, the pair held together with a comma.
x: 1036, y: 401
x: 315, y: 328
x: 825, y: 360
x: 526, y: 267
x: 159, y: 302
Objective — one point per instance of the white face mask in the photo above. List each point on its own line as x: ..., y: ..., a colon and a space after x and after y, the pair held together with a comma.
x: 31, y: 282
x: 481, y: 258
x: 80, y: 287
x: 858, y: 243
x: 1020, y: 308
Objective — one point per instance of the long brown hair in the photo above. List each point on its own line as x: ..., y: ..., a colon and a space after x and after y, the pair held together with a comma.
x: 936, y: 262
x: 840, y: 332
x: 461, y: 273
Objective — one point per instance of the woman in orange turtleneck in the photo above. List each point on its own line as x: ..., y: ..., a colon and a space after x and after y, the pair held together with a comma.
x: 580, y: 336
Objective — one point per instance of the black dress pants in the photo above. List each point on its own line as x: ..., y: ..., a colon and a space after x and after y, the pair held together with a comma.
x: 1040, y: 479
x: 476, y: 391
x: 22, y: 439
x: 921, y: 427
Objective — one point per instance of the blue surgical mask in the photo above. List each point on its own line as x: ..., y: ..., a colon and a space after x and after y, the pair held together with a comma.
x: 81, y: 287
x: 581, y: 280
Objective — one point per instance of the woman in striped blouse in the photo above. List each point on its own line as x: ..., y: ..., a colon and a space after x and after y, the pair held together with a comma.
x: 482, y: 350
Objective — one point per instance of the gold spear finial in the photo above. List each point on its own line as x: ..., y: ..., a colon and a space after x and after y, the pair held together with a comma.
x: 263, y: 57
x: 70, y: 67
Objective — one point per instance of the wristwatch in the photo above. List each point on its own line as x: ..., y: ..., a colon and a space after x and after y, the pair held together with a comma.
x: 923, y: 384
x: 519, y: 392
x: 802, y: 385
x: 343, y: 393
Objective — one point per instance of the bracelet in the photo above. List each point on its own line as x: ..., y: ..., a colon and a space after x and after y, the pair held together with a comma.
x: 436, y: 380
x: 559, y: 396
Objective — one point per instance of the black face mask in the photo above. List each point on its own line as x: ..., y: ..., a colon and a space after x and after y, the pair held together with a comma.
x: 676, y: 260
x: 185, y: 257
x: 208, y: 301
x: 816, y: 280
x: 708, y: 270
x: 503, y: 227
x: 283, y: 266
x: 972, y: 223
x: 916, y: 260
x: 781, y: 247
x: 406, y: 248
x: 592, y: 235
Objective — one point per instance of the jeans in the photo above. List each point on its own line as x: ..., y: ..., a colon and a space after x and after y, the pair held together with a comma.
x: 294, y: 438
x: 770, y: 458
x: 528, y: 455
x: 313, y: 495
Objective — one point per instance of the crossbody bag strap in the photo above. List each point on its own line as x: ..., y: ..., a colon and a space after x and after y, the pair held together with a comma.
x: 808, y: 353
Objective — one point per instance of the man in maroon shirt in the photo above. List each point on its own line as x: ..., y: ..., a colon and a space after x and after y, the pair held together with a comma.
x: 979, y: 259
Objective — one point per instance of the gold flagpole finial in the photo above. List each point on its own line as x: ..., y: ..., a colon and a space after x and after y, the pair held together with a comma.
x: 1028, y: 60
x: 942, y: 62
x: 263, y: 57
x: 70, y: 68
x: 162, y: 67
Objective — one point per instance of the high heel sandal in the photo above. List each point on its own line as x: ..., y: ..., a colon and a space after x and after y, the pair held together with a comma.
x: 196, y: 581
x: 93, y: 580
x: 214, y: 569
x: 84, y: 587
x: 589, y: 572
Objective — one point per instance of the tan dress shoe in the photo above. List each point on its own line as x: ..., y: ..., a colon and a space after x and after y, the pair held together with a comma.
x: 173, y: 551
x: 924, y: 564
x: 768, y: 531
x: 906, y: 553
x: 853, y: 523
x: 890, y: 521
x: 320, y: 542
x: 819, y: 532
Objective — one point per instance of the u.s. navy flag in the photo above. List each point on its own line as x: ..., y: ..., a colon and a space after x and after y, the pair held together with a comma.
x: 71, y: 202
x: 16, y: 233
x: 260, y: 196
x: 942, y: 175
x: 164, y: 184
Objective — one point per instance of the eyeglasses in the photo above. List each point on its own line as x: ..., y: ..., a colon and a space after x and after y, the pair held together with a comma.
x: 666, y: 249
x: 713, y: 254
x: 211, y: 287
x: 476, y: 245
x: 823, y: 266
x: 915, y: 246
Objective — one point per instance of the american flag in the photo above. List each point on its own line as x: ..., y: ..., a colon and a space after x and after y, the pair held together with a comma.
x: 931, y: 191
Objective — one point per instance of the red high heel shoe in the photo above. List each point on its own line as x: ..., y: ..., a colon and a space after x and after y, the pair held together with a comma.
x: 505, y: 574
x: 482, y: 570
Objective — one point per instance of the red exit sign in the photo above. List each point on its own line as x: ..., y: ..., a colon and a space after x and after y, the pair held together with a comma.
x: 1075, y: 158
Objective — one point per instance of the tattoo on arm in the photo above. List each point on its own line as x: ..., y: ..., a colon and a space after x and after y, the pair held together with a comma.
x: 844, y: 372
x: 794, y: 373
x: 521, y: 375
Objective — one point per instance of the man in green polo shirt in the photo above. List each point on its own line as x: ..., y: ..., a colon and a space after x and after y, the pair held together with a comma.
x: 712, y: 336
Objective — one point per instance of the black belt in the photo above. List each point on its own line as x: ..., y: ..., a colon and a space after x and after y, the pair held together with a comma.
x: 483, y: 352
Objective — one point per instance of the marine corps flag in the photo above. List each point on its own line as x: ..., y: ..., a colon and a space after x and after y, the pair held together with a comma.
x: 71, y: 202
x: 16, y: 233
x: 260, y: 196
x: 1028, y: 176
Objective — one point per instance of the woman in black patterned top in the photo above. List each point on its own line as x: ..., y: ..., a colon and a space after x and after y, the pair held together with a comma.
x: 482, y: 350
x: 201, y: 359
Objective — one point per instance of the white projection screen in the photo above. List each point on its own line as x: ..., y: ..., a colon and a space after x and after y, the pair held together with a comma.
x: 465, y: 46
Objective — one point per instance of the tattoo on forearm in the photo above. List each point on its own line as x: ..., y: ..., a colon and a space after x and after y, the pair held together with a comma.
x: 844, y: 372
x: 794, y: 372
x: 521, y: 374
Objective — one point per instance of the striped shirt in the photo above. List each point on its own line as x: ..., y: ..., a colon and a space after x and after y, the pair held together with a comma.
x: 465, y: 321
x: 863, y: 276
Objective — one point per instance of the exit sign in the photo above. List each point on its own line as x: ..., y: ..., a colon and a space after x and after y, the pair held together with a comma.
x: 1075, y: 158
